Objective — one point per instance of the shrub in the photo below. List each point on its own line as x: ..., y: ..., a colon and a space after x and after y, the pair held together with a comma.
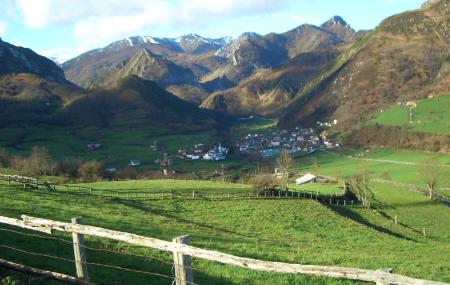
x: 9, y: 280
x: 90, y: 171
x: 265, y: 183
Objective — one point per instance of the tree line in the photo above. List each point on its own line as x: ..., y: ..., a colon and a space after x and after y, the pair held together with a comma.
x: 40, y: 163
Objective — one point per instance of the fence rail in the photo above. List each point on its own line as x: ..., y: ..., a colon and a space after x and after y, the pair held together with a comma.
x: 179, y: 250
x: 337, y: 199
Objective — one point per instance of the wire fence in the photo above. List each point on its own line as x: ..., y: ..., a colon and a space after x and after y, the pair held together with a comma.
x: 146, y: 258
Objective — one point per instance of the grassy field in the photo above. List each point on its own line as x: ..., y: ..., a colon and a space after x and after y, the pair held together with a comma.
x: 120, y: 147
x: 325, y: 189
x: 431, y: 115
x: 296, y: 231
x: 254, y: 125
x: 395, y: 164
x: 168, y: 185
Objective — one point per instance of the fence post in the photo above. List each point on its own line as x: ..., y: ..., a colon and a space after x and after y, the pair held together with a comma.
x: 384, y: 270
x: 79, y: 253
x: 183, y: 264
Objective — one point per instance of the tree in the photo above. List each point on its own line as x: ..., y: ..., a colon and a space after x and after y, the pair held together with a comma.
x: 315, y: 165
x: 359, y: 182
x: 90, y: 171
x: 68, y: 167
x: 18, y: 163
x: 430, y: 173
x: 4, y: 158
x: 264, y: 182
x: 284, y: 163
x: 39, y: 161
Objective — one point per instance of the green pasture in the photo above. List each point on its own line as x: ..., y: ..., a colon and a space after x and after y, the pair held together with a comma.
x: 380, y: 164
x: 295, y: 231
x: 431, y: 116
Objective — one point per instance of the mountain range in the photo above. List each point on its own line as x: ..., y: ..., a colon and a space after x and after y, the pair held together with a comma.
x: 33, y: 90
x: 308, y: 74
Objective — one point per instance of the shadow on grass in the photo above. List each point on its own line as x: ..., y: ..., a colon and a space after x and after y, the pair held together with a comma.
x: 138, y: 206
x: 348, y: 213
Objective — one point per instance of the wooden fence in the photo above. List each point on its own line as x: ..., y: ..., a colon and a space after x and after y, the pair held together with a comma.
x: 182, y: 256
x: 337, y: 199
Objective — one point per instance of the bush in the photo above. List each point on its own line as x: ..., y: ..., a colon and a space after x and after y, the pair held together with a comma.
x: 9, y: 280
x: 68, y: 167
x: 90, y: 171
x: 128, y: 172
x: 265, y: 183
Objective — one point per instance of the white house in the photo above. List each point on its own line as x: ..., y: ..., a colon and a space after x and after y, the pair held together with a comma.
x: 135, y: 163
x: 193, y: 156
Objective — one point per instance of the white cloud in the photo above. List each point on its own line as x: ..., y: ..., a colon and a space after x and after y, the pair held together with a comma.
x: 98, y: 22
x: 3, y: 27
x: 62, y: 54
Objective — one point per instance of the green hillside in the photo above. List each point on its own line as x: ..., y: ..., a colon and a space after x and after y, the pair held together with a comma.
x: 431, y: 116
x: 402, y: 166
x: 287, y: 231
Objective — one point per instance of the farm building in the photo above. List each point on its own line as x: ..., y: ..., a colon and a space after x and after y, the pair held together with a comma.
x: 310, y: 178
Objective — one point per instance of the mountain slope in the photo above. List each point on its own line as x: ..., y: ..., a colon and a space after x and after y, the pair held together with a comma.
x: 253, y: 52
x: 190, y: 51
x: 30, y: 99
x: 267, y: 92
x: 148, y: 66
x: 339, y: 27
x: 401, y: 60
x: 134, y: 102
x: 15, y: 59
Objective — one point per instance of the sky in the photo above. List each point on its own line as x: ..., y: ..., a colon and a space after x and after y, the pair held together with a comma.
x: 66, y: 28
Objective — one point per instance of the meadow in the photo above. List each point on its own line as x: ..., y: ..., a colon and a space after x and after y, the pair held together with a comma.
x: 295, y: 231
x: 431, y: 116
x: 397, y: 165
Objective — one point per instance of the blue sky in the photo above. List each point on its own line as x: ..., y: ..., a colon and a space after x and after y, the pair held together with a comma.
x: 65, y: 28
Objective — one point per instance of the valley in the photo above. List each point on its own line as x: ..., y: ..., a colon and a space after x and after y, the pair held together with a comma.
x: 308, y: 151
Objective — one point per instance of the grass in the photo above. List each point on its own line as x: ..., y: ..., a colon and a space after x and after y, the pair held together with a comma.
x: 168, y: 185
x: 255, y: 125
x: 296, y: 231
x: 380, y: 163
x: 120, y: 146
x: 322, y: 188
x: 430, y: 116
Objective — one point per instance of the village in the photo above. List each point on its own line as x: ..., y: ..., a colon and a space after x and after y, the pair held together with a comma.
x: 266, y: 145
x: 299, y: 140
